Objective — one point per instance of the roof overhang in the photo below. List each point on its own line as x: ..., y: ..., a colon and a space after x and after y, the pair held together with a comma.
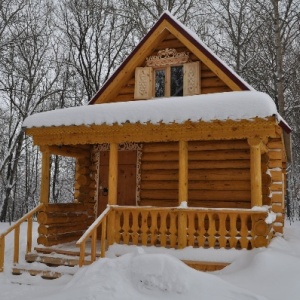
x: 189, y: 131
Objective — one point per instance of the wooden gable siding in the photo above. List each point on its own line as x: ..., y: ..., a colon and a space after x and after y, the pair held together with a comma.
x: 219, y: 174
x: 209, y: 81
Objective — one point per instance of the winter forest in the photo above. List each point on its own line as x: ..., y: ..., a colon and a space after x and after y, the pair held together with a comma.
x: 57, y: 54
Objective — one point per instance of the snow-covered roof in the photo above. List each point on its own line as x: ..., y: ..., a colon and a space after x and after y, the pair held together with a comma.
x: 245, y: 105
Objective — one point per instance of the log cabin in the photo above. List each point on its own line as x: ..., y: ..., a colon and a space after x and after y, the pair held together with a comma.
x: 174, y: 150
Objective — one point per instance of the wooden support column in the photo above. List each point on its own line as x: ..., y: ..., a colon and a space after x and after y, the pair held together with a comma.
x: 112, y: 190
x: 183, y: 171
x: 45, y: 176
x: 255, y: 171
x: 113, y: 174
x: 183, y: 193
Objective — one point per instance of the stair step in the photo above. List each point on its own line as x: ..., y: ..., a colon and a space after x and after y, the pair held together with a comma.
x: 49, y: 250
x: 51, y: 260
x: 205, y: 266
x: 44, y: 271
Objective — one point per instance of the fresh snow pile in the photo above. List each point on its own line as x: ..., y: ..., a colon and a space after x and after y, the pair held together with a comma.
x: 245, y: 105
x: 271, y: 273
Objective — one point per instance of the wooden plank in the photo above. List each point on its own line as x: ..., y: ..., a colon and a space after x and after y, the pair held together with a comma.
x: 275, y: 155
x: 29, y: 235
x: 218, y: 145
x: 276, y: 175
x: 205, y: 266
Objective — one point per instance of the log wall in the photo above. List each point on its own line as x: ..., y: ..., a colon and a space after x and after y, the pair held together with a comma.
x: 209, y: 81
x: 219, y: 174
x: 276, y: 169
x: 66, y: 222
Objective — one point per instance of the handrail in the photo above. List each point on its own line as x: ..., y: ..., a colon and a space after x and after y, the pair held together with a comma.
x: 91, y: 232
x: 16, y: 227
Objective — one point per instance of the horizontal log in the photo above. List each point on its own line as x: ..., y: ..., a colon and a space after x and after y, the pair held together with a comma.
x: 207, y: 74
x: 275, y: 154
x: 218, y: 145
x: 210, y: 90
x: 276, y: 187
x: 124, y: 98
x: 277, y: 198
x: 125, y: 90
x: 69, y: 151
x: 212, y: 82
x: 219, y: 204
x: 62, y: 228
x: 275, y: 163
x: 217, y: 174
x: 66, y: 207
x: 55, y: 218
x: 199, y: 155
x: 276, y: 175
x: 83, y: 179
x: 159, y: 203
x: 59, y: 239
x: 275, y: 144
x: 198, y: 185
x: 197, y: 203
x: 197, y: 195
x: 194, y: 164
x: 174, y: 43
x: 160, y: 147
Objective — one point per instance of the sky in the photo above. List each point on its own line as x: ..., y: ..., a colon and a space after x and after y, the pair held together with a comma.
x: 149, y: 273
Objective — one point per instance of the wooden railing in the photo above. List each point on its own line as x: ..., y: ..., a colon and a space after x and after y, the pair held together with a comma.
x: 16, y: 228
x: 196, y: 227
x: 178, y: 228
x: 91, y: 234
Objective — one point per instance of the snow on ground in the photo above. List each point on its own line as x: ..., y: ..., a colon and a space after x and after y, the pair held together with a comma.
x: 267, y: 273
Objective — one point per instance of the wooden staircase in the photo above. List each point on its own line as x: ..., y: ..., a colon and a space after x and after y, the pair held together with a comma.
x: 52, y: 263
x: 49, y: 263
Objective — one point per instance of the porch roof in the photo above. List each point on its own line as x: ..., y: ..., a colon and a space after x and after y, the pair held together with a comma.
x: 244, y: 105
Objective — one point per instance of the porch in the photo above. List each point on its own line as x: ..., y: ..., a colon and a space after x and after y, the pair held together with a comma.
x: 170, y: 228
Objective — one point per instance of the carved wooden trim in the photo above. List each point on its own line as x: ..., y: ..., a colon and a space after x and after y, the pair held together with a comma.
x: 138, y: 133
x: 167, y: 57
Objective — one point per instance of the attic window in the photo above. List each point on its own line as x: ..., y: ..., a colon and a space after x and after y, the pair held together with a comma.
x: 169, y: 73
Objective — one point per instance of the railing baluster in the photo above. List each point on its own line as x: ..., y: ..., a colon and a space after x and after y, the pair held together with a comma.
x: 94, y: 245
x: 16, y: 244
x: 2, y: 250
x: 29, y: 235
x: 103, y: 237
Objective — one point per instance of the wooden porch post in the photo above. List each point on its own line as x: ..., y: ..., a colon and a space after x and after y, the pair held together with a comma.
x: 183, y: 171
x: 255, y: 171
x: 113, y: 174
x: 112, y: 190
x: 183, y: 192
x: 45, y: 176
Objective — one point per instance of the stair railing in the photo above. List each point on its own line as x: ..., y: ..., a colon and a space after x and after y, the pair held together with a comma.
x: 16, y: 228
x: 91, y: 233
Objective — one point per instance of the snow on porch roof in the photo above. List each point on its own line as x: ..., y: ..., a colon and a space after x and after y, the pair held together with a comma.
x: 221, y: 106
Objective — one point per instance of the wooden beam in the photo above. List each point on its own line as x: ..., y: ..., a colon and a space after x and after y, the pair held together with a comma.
x: 183, y: 171
x: 113, y: 174
x: 255, y: 171
x: 69, y: 151
x: 45, y: 177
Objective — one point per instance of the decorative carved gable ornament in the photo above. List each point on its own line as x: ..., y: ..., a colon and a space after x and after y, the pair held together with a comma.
x: 167, y: 57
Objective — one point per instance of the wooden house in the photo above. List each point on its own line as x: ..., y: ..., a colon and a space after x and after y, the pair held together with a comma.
x: 174, y: 150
